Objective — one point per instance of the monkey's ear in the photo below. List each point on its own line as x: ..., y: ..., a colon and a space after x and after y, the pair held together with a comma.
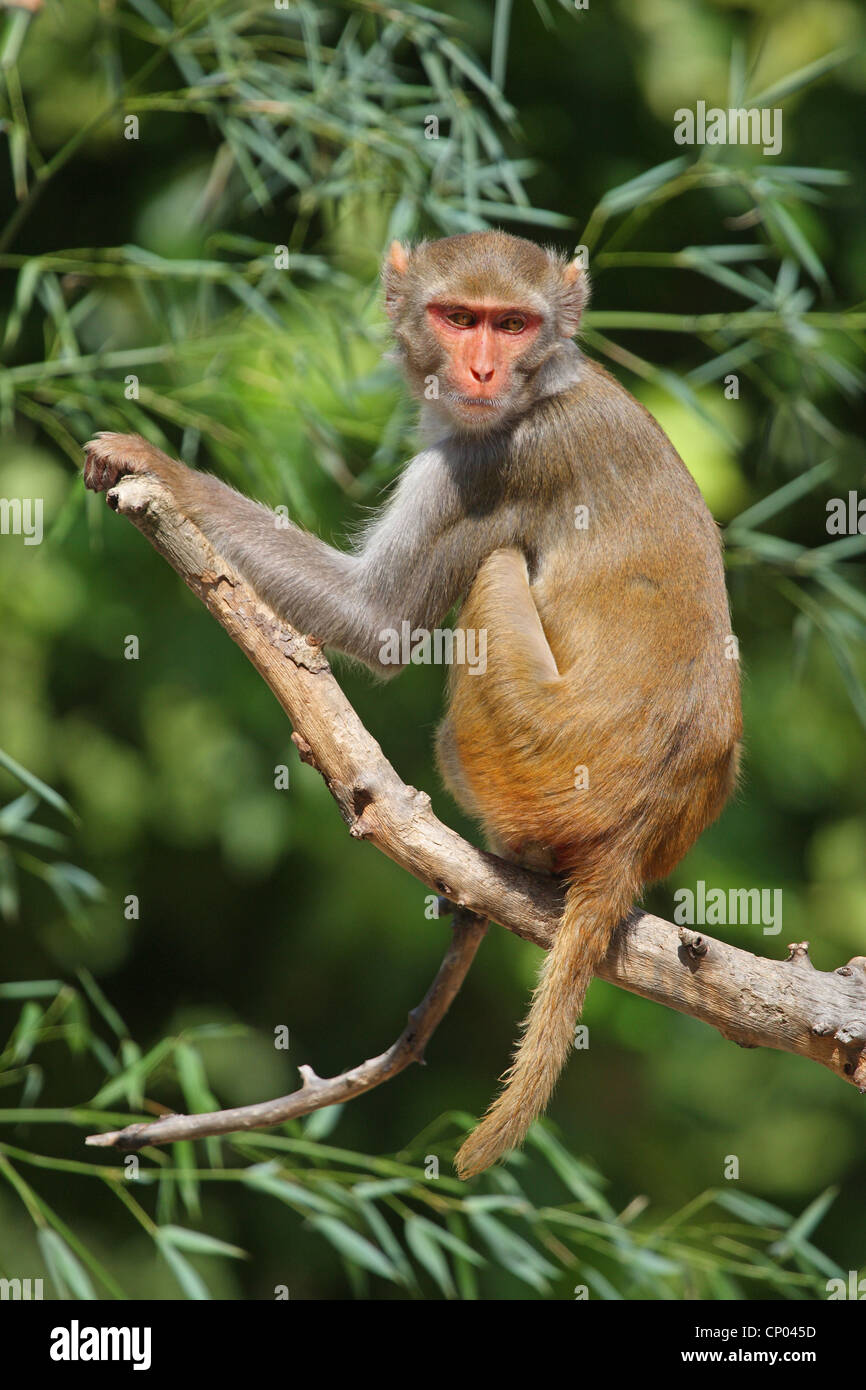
x: 398, y: 257
x: 573, y: 297
x: 394, y: 275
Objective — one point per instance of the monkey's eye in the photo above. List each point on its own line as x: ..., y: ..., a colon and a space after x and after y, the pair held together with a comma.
x: 461, y: 318
x: 512, y: 323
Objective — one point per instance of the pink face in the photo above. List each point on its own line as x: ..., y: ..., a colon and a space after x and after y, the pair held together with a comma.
x: 481, y: 342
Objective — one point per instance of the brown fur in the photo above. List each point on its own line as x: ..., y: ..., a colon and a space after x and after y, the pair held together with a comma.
x: 606, y: 646
x: 612, y: 658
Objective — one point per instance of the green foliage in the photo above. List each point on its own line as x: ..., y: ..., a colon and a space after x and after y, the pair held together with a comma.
x: 73, y: 886
x: 326, y: 112
x: 388, y: 1222
x: 144, y: 288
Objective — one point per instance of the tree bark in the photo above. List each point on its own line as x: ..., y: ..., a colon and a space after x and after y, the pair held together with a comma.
x: 751, y: 1000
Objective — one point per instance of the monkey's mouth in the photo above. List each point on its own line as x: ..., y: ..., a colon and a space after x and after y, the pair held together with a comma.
x: 491, y: 402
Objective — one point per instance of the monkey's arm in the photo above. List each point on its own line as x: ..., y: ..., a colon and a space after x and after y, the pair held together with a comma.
x: 415, y: 561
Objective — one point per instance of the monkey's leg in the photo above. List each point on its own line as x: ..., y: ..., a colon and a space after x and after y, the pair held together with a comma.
x: 503, y: 718
x: 451, y: 768
x: 529, y: 856
x: 501, y: 603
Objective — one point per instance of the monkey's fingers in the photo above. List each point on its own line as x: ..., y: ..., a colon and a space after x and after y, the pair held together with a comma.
x: 110, y: 456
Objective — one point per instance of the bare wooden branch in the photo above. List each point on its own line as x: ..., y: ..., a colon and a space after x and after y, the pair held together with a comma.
x: 751, y: 1000
x: 316, y: 1091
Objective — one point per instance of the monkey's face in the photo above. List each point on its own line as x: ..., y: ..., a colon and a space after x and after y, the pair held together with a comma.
x: 481, y: 347
x: 475, y: 316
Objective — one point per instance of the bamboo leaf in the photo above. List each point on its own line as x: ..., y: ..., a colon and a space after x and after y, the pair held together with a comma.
x: 35, y: 784
x: 803, y: 77
x: 200, y: 1243
x: 805, y: 1223
x: 189, y: 1279
x: 67, y: 1272
x: 784, y: 496
x: 637, y: 190
x: 356, y: 1248
x: 429, y: 1254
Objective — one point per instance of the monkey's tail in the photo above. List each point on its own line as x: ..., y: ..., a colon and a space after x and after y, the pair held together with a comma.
x: 590, y: 918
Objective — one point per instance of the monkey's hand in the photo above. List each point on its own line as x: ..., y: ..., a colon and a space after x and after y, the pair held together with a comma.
x: 110, y: 457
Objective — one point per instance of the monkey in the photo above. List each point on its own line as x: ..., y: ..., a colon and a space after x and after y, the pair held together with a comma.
x: 603, y: 733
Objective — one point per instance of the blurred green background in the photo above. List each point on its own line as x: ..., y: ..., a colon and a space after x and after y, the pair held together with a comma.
x: 139, y: 290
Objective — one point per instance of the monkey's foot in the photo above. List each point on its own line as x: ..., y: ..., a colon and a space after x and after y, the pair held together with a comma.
x: 109, y: 457
x: 528, y: 855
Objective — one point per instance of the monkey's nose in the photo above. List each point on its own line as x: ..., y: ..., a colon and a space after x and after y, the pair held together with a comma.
x: 482, y: 377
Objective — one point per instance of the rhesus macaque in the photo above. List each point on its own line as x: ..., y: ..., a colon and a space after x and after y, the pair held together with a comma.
x: 603, y: 735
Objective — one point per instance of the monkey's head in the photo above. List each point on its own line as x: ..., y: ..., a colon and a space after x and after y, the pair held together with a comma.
x: 476, y: 316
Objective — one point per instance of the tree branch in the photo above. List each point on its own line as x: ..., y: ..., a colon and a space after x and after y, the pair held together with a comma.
x: 316, y: 1092
x: 753, y: 1001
